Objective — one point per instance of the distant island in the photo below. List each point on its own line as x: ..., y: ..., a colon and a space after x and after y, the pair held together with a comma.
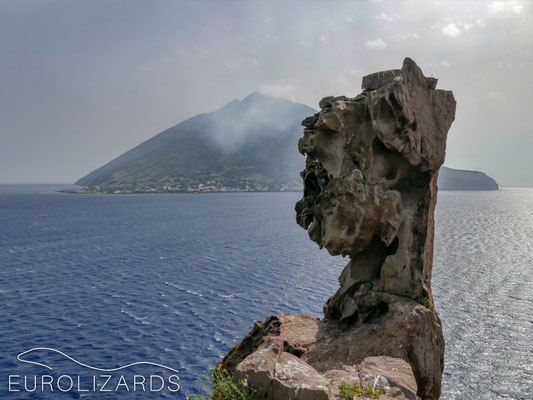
x: 245, y: 146
x: 459, y: 179
x: 248, y: 145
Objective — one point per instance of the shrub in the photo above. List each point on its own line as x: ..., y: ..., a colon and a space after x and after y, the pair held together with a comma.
x: 221, y: 386
x: 426, y: 301
x: 349, y: 392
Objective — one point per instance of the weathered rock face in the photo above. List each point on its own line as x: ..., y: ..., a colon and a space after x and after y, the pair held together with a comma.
x: 300, y: 357
x: 369, y: 194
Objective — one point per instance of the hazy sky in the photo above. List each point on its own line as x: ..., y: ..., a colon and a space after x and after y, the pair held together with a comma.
x: 83, y: 81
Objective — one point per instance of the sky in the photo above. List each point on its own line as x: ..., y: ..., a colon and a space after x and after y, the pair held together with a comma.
x: 83, y: 81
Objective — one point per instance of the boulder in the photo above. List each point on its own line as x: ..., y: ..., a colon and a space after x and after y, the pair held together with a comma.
x: 278, y: 374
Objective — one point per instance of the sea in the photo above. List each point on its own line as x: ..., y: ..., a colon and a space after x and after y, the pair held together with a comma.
x: 170, y: 282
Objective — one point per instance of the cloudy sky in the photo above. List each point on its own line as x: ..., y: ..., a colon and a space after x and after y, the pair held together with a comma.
x: 83, y: 81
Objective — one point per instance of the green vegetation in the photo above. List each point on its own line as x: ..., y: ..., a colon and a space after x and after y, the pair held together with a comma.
x: 220, y: 386
x: 348, y: 392
x: 426, y: 301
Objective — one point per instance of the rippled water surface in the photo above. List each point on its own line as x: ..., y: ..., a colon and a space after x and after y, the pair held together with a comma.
x: 179, y: 279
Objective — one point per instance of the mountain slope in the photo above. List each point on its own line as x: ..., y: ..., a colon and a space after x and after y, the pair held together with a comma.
x: 246, y: 145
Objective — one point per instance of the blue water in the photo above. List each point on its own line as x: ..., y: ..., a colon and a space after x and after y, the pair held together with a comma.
x: 179, y: 279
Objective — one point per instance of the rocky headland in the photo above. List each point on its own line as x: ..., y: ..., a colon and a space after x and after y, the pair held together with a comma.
x: 460, y: 179
x: 370, y: 191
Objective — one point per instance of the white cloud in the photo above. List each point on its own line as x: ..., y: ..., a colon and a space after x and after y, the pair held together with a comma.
x: 341, y: 80
x: 356, y: 72
x: 253, y: 63
x: 386, y: 17
x: 202, y: 53
x: 500, y: 65
x: 348, y: 19
x: 444, y: 64
x: 281, y: 89
x: 233, y: 65
x: 323, y: 38
x: 517, y: 8
x: 501, y: 6
x: 496, y: 7
x: 239, y: 64
x: 406, y: 36
x: 451, y: 30
x: 377, y: 44
x: 494, y: 97
x: 305, y: 43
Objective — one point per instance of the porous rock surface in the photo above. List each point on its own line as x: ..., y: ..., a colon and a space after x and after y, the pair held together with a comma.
x: 369, y: 194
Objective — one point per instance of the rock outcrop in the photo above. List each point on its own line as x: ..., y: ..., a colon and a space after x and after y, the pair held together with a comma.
x: 369, y: 194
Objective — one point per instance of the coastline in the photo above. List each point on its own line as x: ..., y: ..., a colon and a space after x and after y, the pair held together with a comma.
x: 75, y: 191
x: 294, y: 190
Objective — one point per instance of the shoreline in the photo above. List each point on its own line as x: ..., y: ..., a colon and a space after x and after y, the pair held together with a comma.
x: 73, y: 191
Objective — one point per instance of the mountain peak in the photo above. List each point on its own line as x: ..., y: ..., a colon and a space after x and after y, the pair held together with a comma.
x: 256, y: 96
x: 231, y: 105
